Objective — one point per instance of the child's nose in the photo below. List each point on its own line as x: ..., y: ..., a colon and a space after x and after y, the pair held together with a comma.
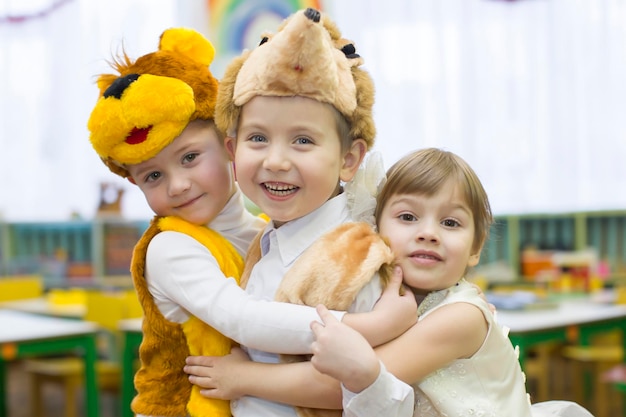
x: 277, y: 159
x: 179, y: 185
x: 428, y: 232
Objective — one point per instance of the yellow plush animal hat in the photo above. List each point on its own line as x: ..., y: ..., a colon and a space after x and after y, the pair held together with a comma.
x: 306, y: 57
x: 149, y: 103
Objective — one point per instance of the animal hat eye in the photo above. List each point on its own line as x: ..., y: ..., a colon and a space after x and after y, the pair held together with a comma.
x: 116, y: 89
x: 350, y: 51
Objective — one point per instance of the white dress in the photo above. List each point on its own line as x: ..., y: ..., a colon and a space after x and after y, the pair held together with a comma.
x: 489, y: 384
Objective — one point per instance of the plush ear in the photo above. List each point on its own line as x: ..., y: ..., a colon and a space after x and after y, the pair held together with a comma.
x: 131, y: 180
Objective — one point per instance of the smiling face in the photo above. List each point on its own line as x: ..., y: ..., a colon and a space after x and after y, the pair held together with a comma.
x: 432, y: 236
x: 190, y: 178
x: 288, y: 155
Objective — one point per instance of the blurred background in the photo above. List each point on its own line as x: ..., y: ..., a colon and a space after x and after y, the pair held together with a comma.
x: 530, y: 92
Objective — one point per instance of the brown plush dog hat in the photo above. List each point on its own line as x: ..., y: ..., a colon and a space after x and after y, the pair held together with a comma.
x: 306, y: 57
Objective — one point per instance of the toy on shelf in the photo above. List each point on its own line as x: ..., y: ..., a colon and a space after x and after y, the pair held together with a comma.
x: 564, y: 271
x: 110, y: 200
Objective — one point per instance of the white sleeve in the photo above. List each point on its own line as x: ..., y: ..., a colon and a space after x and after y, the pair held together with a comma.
x: 185, y: 279
x: 387, y: 396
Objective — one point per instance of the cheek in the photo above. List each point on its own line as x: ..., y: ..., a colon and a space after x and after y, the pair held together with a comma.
x: 154, y: 200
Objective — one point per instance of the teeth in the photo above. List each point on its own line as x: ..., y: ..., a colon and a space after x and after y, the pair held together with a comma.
x: 280, y: 190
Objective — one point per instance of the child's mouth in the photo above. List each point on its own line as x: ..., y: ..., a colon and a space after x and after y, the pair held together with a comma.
x: 280, y: 190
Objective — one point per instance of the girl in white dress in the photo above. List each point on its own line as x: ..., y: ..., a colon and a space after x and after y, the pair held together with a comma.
x: 436, y: 216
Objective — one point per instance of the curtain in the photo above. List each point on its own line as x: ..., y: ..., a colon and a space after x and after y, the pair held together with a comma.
x: 50, y: 55
x: 530, y: 92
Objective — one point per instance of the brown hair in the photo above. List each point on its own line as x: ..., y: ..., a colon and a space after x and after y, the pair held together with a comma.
x: 425, y: 171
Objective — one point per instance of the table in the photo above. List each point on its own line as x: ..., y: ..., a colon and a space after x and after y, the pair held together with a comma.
x: 571, y: 321
x: 581, y: 317
x: 23, y: 334
x: 131, y: 329
x: 42, y: 305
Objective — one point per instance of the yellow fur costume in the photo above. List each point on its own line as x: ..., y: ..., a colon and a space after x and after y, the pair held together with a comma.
x: 141, y: 110
x: 162, y: 386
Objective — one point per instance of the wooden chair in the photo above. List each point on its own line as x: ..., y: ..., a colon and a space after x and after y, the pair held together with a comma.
x: 540, y: 367
x: 588, y: 365
x: 106, y: 309
x: 16, y: 287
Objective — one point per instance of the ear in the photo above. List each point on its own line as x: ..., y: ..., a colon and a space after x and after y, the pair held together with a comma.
x: 352, y: 159
x: 131, y: 180
x: 230, y: 143
x: 473, y: 260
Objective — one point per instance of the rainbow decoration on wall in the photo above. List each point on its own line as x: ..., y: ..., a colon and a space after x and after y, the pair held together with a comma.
x: 238, y: 24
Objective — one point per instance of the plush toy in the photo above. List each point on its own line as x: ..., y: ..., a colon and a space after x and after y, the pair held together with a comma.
x: 308, y: 57
x: 140, y: 111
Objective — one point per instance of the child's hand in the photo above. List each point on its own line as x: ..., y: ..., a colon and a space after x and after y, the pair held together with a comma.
x: 392, y: 315
x: 218, y: 376
x: 342, y: 353
x: 398, y: 311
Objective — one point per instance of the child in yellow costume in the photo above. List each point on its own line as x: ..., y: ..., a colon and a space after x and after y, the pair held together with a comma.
x: 153, y: 124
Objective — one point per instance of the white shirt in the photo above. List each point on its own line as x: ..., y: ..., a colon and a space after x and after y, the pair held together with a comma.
x: 387, y: 396
x: 185, y: 279
x: 280, y: 247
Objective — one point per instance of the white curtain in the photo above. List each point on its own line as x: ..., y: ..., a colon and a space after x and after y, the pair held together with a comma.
x: 532, y: 93
x: 50, y: 54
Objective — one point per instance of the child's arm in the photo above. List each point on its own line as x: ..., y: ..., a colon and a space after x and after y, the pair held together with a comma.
x: 235, y: 375
x: 451, y: 332
x: 184, y: 278
x: 454, y: 331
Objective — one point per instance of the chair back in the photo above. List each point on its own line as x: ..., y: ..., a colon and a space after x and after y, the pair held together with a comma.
x: 16, y: 287
x: 107, y: 308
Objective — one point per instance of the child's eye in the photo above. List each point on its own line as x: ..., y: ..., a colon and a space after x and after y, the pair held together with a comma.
x: 257, y: 138
x: 303, y: 141
x: 450, y: 223
x: 153, y: 176
x: 407, y: 217
x: 189, y: 157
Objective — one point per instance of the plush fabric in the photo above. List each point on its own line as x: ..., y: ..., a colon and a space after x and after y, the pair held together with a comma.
x: 163, y: 389
x: 150, y: 101
x: 306, y: 57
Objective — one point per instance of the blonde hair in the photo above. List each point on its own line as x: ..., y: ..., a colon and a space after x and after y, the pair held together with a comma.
x: 425, y: 172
